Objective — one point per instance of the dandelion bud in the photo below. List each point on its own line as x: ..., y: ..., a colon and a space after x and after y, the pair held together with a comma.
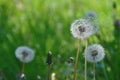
x: 114, y: 5
x: 117, y: 24
x: 70, y: 60
x: 49, y: 58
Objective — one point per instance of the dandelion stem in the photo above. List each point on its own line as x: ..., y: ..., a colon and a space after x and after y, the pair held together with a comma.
x: 94, y: 71
x: 104, y: 70
x: 86, y: 61
x: 76, y: 62
x: 23, y: 65
x: 67, y: 77
x: 48, y: 77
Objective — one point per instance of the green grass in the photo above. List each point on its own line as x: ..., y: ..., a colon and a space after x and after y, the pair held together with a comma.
x: 45, y: 25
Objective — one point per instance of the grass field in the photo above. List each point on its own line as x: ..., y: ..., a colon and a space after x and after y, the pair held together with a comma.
x: 44, y: 25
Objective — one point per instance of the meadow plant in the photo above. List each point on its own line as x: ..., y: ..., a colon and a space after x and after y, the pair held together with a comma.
x: 69, y: 69
x: 94, y: 53
x: 49, y: 62
x: 35, y: 22
x: 25, y: 55
x: 82, y: 29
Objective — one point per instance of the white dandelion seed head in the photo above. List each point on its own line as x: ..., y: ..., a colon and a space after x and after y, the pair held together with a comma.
x: 82, y: 28
x: 24, y: 54
x: 90, y: 15
x: 94, y: 53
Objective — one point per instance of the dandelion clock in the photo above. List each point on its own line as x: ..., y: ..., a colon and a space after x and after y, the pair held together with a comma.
x: 94, y: 53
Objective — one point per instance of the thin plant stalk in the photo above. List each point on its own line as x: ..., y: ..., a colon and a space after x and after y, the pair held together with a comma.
x: 94, y: 71
x: 22, y: 71
x: 23, y: 65
x: 48, y: 77
x: 86, y: 61
x: 76, y: 62
x: 105, y: 73
x: 67, y: 77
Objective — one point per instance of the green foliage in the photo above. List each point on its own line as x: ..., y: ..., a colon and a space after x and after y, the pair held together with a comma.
x: 45, y: 25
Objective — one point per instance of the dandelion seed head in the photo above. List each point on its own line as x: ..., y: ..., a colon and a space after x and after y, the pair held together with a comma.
x: 82, y: 28
x: 94, y: 53
x: 24, y: 54
x: 90, y: 15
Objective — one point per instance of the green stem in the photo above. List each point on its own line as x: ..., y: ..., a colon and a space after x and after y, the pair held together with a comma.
x: 86, y: 61
x: 48, y: 78
x: 23, y: 65
x: 76, y: 62
x: 67, y: 77
x: 105, y: 73
x: 94, y: 70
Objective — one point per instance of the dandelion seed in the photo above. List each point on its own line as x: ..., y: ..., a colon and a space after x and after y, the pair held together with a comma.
x: 24, y: 54
x: 94, y: 53
x: 83, y: 28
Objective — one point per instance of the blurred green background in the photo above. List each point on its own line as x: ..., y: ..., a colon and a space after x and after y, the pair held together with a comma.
x: 45, y: 25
